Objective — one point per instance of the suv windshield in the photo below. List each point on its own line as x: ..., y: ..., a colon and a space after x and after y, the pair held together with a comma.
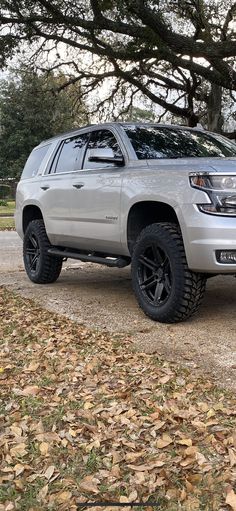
x: 151, y: 142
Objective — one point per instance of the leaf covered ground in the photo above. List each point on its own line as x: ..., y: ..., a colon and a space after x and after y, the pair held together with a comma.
x: 83, y: 417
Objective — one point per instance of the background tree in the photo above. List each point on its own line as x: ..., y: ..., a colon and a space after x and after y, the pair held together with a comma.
x: 31, y: 109
x: 179, y: 54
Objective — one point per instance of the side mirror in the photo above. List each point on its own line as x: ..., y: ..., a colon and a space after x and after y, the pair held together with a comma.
x: 105, y: 155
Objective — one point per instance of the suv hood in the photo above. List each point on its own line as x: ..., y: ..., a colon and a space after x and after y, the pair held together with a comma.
x: 197, y: 164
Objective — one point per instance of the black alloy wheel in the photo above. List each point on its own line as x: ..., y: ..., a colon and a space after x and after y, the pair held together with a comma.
x: 154, y: 274
x: 32, y: 253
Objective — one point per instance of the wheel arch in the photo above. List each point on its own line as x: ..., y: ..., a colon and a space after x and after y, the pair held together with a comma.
x: 144, y: 213
x: 30, y: 212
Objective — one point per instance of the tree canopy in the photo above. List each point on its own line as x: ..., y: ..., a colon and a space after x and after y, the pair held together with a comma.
x: 32, y: 110
x: 172, y: 51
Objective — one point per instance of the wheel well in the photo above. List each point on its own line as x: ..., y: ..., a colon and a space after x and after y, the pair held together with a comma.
x: 30, y: 213
x: 145, y: 213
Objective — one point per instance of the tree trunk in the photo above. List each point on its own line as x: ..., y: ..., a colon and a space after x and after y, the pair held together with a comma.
x: 214, y: 105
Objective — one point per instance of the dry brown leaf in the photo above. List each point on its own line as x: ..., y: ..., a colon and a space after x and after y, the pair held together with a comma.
x: 232, y: 457
x: 146, y: 468
x: 18, y: 468
x: 18, y: 450
x: 44, y: 448
x: 158, y: 425
x: 124, y: 499
x: 172, y: 493
x: 88, y: 405
x: 185, y: 441
x: 89, y: 484
x: 63, y: 496
x: 33, y: 366
x: 139, y: 478
x: 9, y: 506
x: 30, y: 390
x: 49, y: 472
x: 48, y: 437
x: 200, y: 458
x: 164, y: 441
x: 19, y: 484
x: 231, y: 498
x: 132, y: 456
x: 187, y: 461
x: 16, y: 430
x: 191, y: 504
x: 190, y: 451
x: 160, y: 481
x: 132, y: 496
x: 115, y: 471
x: 42, y: 493
x: 165, y: 379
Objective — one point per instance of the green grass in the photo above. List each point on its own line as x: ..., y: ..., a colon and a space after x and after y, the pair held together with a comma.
x: 7, y: 224
x: 9, y: 209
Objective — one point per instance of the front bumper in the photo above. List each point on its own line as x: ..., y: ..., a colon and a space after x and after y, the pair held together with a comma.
x: 203, y: 234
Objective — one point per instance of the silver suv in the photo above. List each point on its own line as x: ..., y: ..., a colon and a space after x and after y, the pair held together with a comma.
x: 162, y: 198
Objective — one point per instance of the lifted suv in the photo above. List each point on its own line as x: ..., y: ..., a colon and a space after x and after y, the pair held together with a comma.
x: 161, y: 197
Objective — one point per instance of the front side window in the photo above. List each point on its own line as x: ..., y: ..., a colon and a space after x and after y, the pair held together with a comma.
x: 69, y: 155
x: 34, y: 161
x: 154, y: 142
x: 101, y: 139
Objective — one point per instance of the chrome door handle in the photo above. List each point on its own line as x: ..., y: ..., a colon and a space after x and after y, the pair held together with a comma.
x: 44, y: 187
x: 78, y: 185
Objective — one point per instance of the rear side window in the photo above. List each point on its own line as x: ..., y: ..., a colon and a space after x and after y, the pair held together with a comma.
x: 69, y: 155
x: 34, y: 161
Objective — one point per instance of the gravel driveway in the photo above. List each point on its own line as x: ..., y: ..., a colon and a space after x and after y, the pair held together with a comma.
x: 102, y: 297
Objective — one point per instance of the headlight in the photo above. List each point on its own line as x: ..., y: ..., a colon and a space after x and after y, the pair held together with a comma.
x: 221, y: 190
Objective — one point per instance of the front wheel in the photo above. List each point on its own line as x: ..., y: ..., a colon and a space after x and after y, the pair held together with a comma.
x: 41, y: 267
x: 165, y: 288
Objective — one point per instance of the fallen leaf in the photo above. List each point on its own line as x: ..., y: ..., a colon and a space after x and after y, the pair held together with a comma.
x: 185, y: 441
x: 16, y: 430
x: 88, y: 405
x: 33, y: 366
x: 132, y: 496
x: 63, y: 496
x: 44, y: 448
x: 49, y: 472
x: 18, y: 469
x: 231, y: 498
x: 18, y: 450
x: 164, y: 441
x: 89, y: 484
x: 30, y: 390
x: 144, y: 468
x: 232, y: 457
x: 48, y: 437
x: 42, y: 493
x: 187, y: 461
x: 165, y: 379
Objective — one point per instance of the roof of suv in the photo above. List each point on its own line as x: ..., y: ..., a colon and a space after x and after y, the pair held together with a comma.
x: 119, y: 123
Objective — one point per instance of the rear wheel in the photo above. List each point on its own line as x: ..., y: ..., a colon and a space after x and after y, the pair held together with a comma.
x: 40, y: 267
x: 165, y: 288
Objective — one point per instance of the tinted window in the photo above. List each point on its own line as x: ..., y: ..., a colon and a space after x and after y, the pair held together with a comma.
x: 34, y: 161
x: 101, y: 139
x: 160, y: 142
x: 68, y: 157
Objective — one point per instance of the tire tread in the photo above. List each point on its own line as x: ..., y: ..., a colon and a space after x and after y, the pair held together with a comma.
x: 194, y: 283
x: 51, y: 265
